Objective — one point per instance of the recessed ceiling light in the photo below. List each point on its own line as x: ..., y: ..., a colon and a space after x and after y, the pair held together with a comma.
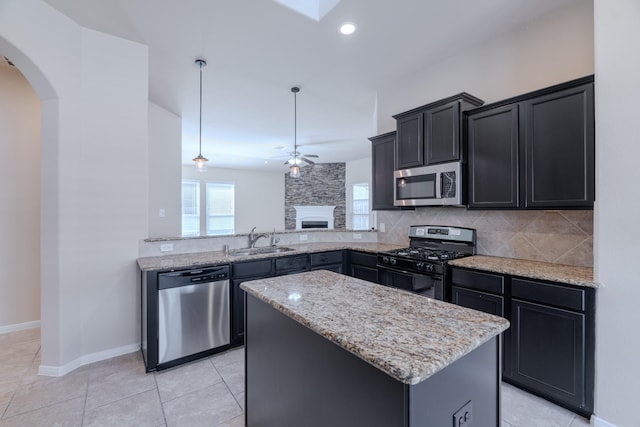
x: 347, y: 28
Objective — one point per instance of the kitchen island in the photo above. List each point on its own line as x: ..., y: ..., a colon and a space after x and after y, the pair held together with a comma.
x: 326, y: 349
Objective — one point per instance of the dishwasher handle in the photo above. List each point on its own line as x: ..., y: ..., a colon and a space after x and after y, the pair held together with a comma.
x: 192, y: 277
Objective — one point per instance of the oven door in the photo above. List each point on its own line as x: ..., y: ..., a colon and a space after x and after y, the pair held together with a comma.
x: 429, y: 285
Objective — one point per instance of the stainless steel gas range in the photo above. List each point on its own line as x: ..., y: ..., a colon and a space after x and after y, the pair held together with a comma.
x: 422, y: 267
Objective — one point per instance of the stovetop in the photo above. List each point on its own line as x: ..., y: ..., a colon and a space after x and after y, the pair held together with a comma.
x: 426, y: 254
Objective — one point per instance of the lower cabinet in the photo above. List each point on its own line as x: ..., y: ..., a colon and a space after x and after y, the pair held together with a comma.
x: 333, y: 261
x: 244, y: 271
x: 549, y: 348
x: 362, y: 265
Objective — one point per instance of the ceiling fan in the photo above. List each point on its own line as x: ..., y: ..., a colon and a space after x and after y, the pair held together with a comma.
x: 295, y: 157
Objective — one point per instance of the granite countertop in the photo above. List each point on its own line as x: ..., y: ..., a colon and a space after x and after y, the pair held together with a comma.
x: 408, y: 336
x: 570, y: 274
x: 167, y: 262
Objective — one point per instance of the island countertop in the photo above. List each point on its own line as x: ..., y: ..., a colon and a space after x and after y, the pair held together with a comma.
x: 408, y: 336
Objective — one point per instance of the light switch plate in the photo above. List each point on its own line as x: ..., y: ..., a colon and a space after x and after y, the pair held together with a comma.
x: 166, y: 247
x: 303, y: 237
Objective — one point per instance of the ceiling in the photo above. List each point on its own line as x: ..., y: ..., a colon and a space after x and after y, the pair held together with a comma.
x: 257, y: 50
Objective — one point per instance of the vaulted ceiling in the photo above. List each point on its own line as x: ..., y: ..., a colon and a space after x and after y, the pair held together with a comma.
x: 258, y: 49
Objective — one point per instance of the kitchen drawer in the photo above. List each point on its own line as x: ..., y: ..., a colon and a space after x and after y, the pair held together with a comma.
x: 482, y: 301
x: 547, y: 293
x: 325, y: 258
x: 362, y: 258
x: 476, y: 280
x: 292, y: 264
x: 262, y: 267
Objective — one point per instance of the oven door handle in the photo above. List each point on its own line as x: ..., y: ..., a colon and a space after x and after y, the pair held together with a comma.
x: 439, y: 185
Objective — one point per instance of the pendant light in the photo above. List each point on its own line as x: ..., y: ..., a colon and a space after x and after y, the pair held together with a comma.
x: 201, y: 161
x: 294, y: 169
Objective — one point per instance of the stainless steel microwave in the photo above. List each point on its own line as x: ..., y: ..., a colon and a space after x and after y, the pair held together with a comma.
x: 433, y: 185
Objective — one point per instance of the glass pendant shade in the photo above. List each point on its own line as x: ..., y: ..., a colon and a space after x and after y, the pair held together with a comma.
x: 294, y: 171
x: 201, y: 163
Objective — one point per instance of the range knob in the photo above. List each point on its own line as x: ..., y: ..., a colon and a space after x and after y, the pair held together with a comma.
x: 385, y: 260
x: 392, y: 261
x: 428, y: 267
x: 420, y: 265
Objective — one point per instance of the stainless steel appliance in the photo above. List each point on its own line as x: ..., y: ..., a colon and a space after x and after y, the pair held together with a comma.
x: 422, y: 267
x: 193, y: 312
x: 429, y: 185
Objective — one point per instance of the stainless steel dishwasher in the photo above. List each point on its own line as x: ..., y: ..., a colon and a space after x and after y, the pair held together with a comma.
x: 194, y: 312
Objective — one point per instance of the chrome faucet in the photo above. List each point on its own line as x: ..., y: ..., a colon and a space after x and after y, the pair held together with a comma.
x: 253, y: 238
x: 274, y: 239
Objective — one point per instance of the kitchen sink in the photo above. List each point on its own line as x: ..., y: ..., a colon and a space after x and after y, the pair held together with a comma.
x: 259, y: 251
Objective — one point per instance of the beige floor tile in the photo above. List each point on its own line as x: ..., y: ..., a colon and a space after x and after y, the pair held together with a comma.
x: 13, y: 368
x: 141, y: 410
x: 20, y: 336
x: 525, y: 410
x: 578, y: 421
x: 46, y: 391
x: 8, y: 387
x: 108, y: 389
x: 233, y: 376
x: 240, y: 399
x: 232, y: 356
x: 3, y: 408
x: 236, y: 422
x: 185, y: 379
x: 65, y: 414
x: 24, y: 350
x: 207, y: 407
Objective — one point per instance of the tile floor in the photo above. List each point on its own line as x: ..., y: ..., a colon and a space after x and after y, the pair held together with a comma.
x: 209, y: 392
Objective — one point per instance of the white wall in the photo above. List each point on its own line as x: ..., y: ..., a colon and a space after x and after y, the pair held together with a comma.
x: 93, y: 89
x: 165, y: 170
x: 357, y: 172
x: 617, y: 30
x: 259, y: 196
x: 19, y: 200
x: 556, y: 48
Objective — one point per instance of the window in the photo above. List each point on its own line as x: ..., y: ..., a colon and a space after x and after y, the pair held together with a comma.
x: 220, y: 213
x: 209, y: 212
x: 360, y: 212
x: 190, y: 208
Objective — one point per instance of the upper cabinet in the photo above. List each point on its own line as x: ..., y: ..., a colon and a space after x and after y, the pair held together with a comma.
x: 382, y: 158
x: 431, y: 134
x: 534, y: 151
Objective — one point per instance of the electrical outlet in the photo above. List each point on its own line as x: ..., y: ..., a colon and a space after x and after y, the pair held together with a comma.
x: 303, y: 237
x: 166, y: 247
x: 161, y: 213
x: 357, y: 236
x: 463, y: 416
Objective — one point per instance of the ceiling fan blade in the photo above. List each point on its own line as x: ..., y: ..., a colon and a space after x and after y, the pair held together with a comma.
x: 311, y: 155
x: 308, y: 161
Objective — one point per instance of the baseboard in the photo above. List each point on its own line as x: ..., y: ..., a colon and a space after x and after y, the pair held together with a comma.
x: 19, y: 327
x: 598, y: 422
x: 58, y: 371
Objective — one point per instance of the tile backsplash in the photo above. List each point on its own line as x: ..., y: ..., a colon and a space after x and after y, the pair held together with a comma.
x: 563, y: 236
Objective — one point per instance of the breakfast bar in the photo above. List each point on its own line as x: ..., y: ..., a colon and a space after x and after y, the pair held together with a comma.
x: 327, y: 349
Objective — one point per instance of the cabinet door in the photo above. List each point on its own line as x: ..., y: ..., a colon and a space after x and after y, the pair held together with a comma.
x: 442, y: 133
x: 410, y: 146
x: 548, y: 351
x: 558, y: 138
x: 493, y: 158
x: 237, y: 310
x: 364, y: 273
x: 292, y: 264
x: 382, y: 157
x: 481, y: 301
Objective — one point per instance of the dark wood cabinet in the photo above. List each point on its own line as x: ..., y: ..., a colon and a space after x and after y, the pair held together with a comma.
x: 363, y: 265
x: 549, y: 348
x: 552, y: 345
x: 558, y: 133
x: 383, y: 164
x: 432, y: 133
x: 492, y: 140
x: 292, y: 264
x: 333, y: 261
x: 243, y: 271
x: 534, y: 151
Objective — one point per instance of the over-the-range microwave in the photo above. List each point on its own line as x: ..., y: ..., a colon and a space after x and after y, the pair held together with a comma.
x: 433, y: 185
